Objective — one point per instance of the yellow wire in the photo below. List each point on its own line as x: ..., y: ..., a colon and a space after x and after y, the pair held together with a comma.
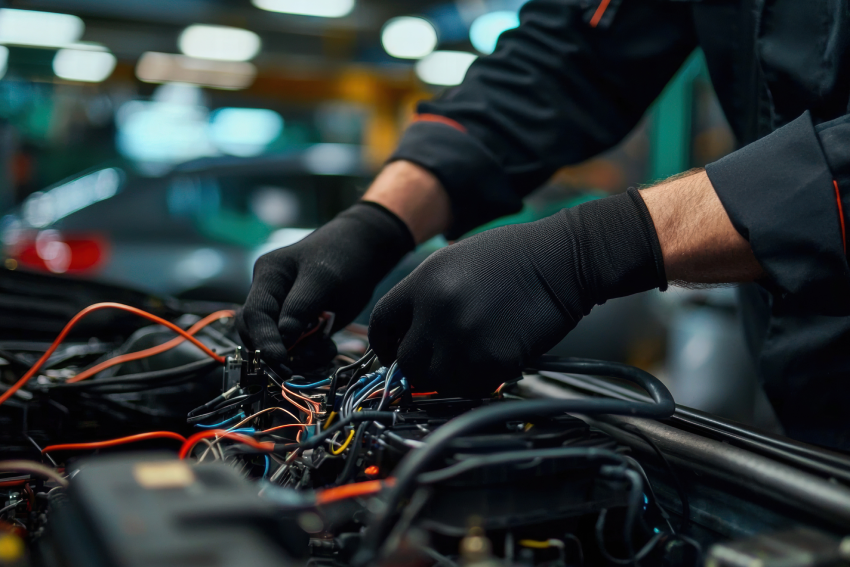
x: 546, y: 544
x: 345, y: 445
x: 329, y: 420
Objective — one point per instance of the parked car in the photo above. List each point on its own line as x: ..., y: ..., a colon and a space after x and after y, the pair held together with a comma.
x: 194, y: 232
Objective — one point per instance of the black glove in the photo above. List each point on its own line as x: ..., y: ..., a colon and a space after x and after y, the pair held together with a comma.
x: 336, y: 269
x: 476, y: 312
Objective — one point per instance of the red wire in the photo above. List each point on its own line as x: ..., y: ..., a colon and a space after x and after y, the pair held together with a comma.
x: 116, y: 442
x: 11, y: 483
x: 158, y: 349
x: 354, y: 490
x: 193, y: 440
x: 90, y: 309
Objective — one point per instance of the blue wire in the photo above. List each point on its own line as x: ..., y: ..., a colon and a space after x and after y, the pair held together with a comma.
x: 244, y: 430
x: 324, y: 382
x: 268, y: 463
x: 225, y: 422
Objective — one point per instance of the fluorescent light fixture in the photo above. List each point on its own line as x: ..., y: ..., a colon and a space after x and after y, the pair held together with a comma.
x: 486, y: 29
x: 43, y: 29
x: 444, y: 68
x: 169, y: 68
x: 163, y: 132
x: 219, y: 42
x: 89, y: 63
x: 244, y: 131
x: 409, y: 37
x: 320, y: 8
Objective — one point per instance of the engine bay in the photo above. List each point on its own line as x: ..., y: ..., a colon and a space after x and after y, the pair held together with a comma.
x: 141, y: 431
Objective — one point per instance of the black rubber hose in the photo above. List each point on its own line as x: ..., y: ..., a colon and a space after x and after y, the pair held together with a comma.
x: 415, y: 462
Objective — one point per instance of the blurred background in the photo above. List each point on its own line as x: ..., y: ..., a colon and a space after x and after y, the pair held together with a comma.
x: 165, y: 144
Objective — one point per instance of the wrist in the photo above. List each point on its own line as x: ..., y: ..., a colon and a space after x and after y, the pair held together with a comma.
x: 610, y: 249
x: 415, y: 196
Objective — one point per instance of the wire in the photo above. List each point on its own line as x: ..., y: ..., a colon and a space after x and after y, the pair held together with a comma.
x: 329, y: 420
x: 411, y: 464
x: 301, y: 425
x: 320, y: 438
x: 351, y: 460
x: 683, y: 496
x: 141, y: 380
x: 11, y: 506
x: 34, y: 468
x: 318, y: 384
x: 115, y: 442
x: 346, y: 491
x: 186, y: 449
x: 362, y: 364
x: 545, y: 544
x: 345, y: 445
x: 148, y: 352
x: 268, y: 464
x: 437, y: 556
x: 218, y: 425
x: 90, y: 309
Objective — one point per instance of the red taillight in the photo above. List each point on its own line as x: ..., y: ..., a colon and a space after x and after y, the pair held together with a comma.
x: 62, y: 254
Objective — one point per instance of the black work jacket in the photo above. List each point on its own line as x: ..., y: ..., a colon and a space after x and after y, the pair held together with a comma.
x: 576, y: 76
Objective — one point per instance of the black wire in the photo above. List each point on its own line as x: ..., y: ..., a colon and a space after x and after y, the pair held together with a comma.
x: 14, y: 360
x: 364, y: 363
x: 635, y: 494
x: 683, y: 496
x: 351, y: 461
x: 152, y: 377
x: 320, y: 438
x: 414, y: 462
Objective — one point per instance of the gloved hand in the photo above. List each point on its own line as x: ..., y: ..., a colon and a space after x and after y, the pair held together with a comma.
x: 336, y: 268
x: 476, y: 312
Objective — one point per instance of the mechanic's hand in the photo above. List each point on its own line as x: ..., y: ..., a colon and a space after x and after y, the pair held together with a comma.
x: 336, y: 269
x: 476, y: 312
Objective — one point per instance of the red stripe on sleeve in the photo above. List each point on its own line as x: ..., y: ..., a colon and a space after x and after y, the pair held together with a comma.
x: 840, y: 216
x: 600, y: 11
x: 441, y: 119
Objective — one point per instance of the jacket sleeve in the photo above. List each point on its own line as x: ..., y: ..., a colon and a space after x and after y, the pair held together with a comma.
x: 788, y: 194
x: 556, y: 91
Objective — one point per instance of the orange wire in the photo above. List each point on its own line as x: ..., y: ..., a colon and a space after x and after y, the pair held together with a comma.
x: 282, y: 426
x: 354, y: 490
x: 193, y: 440
x: 115, y: 442
x: 96, y: 307
x: 153, y: 350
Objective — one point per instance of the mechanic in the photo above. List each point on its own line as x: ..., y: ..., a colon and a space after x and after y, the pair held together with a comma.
x: 571, y: 81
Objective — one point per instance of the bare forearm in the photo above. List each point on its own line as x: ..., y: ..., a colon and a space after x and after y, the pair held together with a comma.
x: 698, y: 241
x: 415, y: 196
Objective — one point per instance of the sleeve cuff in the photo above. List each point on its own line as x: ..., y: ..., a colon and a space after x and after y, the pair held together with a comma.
x: 475, y: 181
x: 779, y: 194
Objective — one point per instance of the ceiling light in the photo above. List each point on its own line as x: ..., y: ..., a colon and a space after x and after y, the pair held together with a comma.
x: 84, y: 62
x: 320, y: 8
x: 169, y: 68
x: 44, y: 29
x: 445, y: 68
x: 244, y: 131
x: 486, y: 29
x: 409, y: 37
x: 219, y: 42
